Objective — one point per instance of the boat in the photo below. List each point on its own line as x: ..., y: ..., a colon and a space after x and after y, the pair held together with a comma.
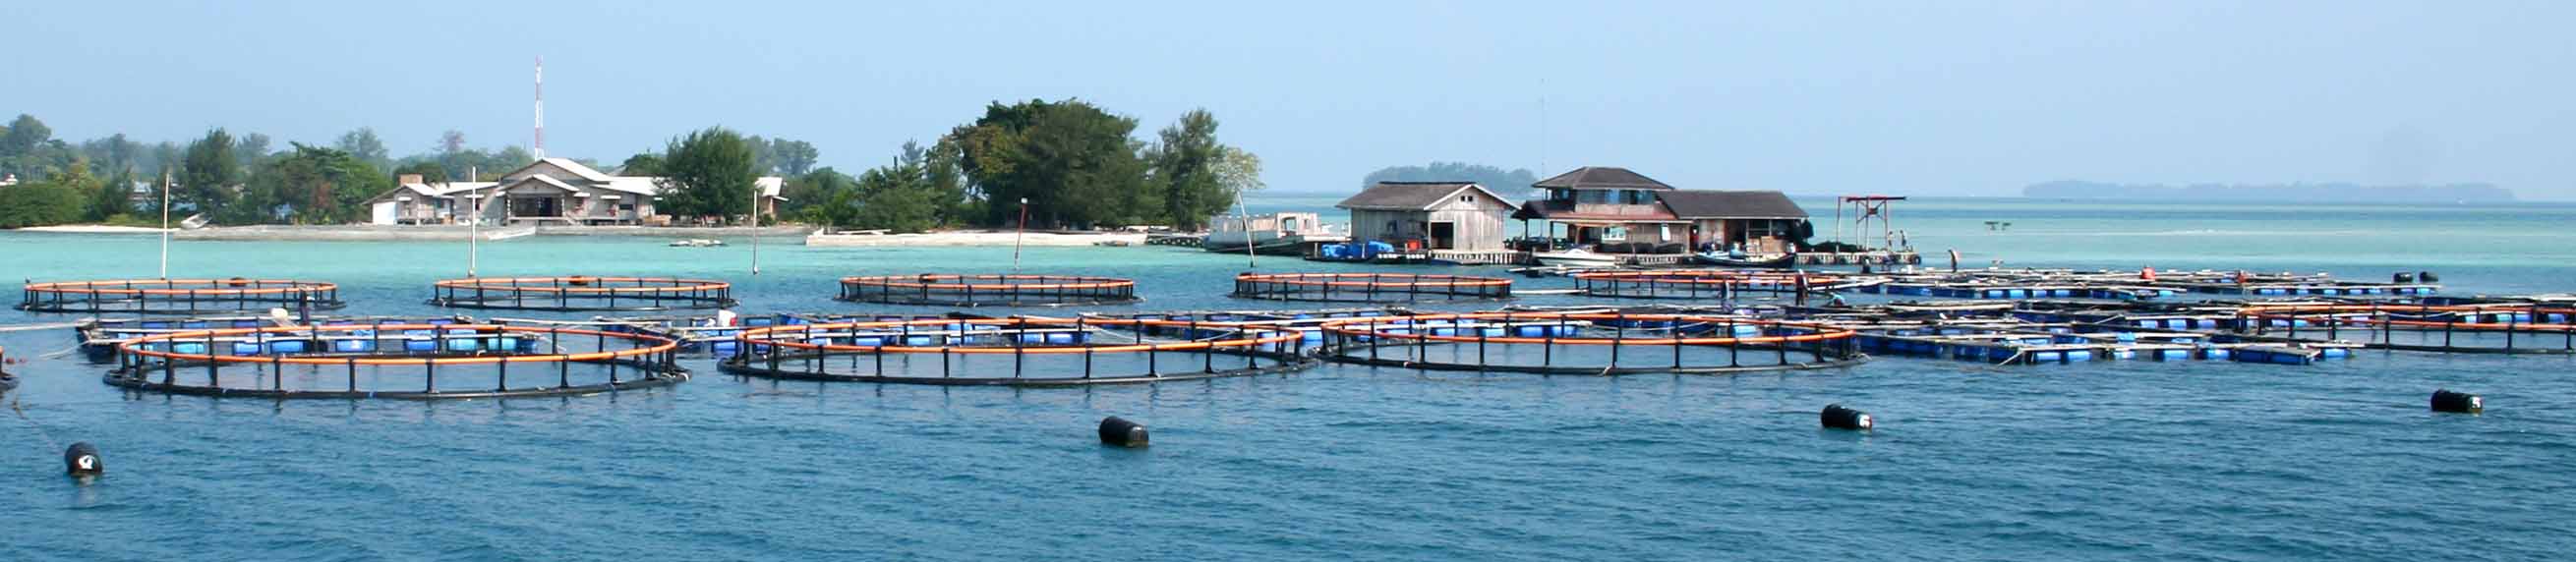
x: 1279, y: 234
x: 1575, y: 257
x: 1113, y: 243
x: 697, y: 243
x: 1739, y: 259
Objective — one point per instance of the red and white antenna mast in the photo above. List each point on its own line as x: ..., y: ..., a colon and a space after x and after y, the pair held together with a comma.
x: 541, y: 107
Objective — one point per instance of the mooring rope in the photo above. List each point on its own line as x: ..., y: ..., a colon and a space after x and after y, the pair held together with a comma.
x: 59, y: 353
x: 48, y: 436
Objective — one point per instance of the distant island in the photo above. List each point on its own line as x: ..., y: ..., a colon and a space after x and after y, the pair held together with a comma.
x: 2319, y: 192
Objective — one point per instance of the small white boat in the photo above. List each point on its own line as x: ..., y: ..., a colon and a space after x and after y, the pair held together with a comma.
x: 1575, y: 257
x: 1284, y: 234
x: 697, y: 243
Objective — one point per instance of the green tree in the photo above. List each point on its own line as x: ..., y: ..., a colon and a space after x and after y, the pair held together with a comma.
x: 893, y: 207
x: 1184, y: 169
x: 1239, y: 172
x: 364, y: 145
x: 793, y: 157
x: 115, y: 152
x: 641, y: 164
x: 112, y: 197
x: 61, y: 199
x: 29, y: 151
x: 807, y: 195
x: 1073, y: 162
x: 318, y: 185
x: 23, y: 135
x: 429, y: 171
x: 209, y: 175
x: 251, y: 148
x: 708, y: 173
x: 509, y: 158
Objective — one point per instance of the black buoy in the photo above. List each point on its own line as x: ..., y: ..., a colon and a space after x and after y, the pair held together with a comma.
x: 2402, y: 278
x: 2428, y: 277
x: 1118, y: 431
x: 82, y: 460
x: 2458, y: 402
x: 1838, y: 417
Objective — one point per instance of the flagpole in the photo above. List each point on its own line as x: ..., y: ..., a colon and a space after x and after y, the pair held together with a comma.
x: 1017, y: 236
x: 755, y: 226
x: 474, y: 223
x: 165, y: 224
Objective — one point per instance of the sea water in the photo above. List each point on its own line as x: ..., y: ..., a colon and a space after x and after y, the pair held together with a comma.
x: 2111, y: 459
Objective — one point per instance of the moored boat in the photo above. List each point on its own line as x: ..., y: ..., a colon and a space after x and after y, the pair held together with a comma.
x: 1283, y: 234
x: 1772, y: 261
x: 1575, y: 257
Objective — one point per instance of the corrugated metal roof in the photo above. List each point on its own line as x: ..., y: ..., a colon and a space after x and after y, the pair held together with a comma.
x: 576, y: 168
x: 1712, y: 204
x: 1413, y: 195
x: 1601, y: 177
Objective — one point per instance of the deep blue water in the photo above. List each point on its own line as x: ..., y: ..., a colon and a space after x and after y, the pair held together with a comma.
x: 2116, y: 460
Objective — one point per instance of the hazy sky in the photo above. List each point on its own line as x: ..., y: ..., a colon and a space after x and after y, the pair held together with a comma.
x: 1807, y: 97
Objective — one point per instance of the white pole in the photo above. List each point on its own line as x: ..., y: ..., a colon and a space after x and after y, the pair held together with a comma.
x: 755, y: 226
x: 474, y: 234
x: 474, y: 224
x: 1016, y: 236
x: 1244, y: 214
x: 165, y: 225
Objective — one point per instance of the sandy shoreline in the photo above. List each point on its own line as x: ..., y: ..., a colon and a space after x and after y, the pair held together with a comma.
x: 93, y: 229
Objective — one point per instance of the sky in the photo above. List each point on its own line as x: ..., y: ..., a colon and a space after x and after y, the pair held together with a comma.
x: 1952, y: 98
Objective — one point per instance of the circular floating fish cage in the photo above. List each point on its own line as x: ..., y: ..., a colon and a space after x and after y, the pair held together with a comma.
x: 582, y: 293
x: 398, y: 361
x: 1588, y: 343
x: 939, y: 289
x: 179, y: 296
x: 1368, y: 287
x: 1016, y: 351
x: 1696, y: 284
x: 2518, y: 328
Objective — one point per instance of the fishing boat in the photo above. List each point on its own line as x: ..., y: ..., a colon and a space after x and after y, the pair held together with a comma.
x: 1281, y: 234
x: 1741, y: 259
x: 1575, y: 257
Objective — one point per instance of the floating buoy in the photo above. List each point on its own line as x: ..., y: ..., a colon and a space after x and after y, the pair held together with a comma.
x: 2458, y: 402
x: 82, y: 460
x: 1838, y: 417
x: 2402, y: 278
x: 2428, y: 277
x: 1118, y: 431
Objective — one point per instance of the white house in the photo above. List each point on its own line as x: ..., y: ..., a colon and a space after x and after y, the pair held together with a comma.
x: 548, y: 191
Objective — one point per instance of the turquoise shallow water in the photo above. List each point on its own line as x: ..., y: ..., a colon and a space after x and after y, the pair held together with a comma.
x: 2133, y: 460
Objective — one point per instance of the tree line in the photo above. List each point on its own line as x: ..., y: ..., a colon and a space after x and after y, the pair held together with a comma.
x: 1074, y: 165
x: 1067, y: 164
x: 246, y: 179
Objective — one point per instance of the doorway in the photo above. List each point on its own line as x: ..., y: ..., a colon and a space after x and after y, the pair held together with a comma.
x: 1444, y: 236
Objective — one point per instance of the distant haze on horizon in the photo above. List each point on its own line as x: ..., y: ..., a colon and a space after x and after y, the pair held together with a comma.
x: 1922, y: 99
